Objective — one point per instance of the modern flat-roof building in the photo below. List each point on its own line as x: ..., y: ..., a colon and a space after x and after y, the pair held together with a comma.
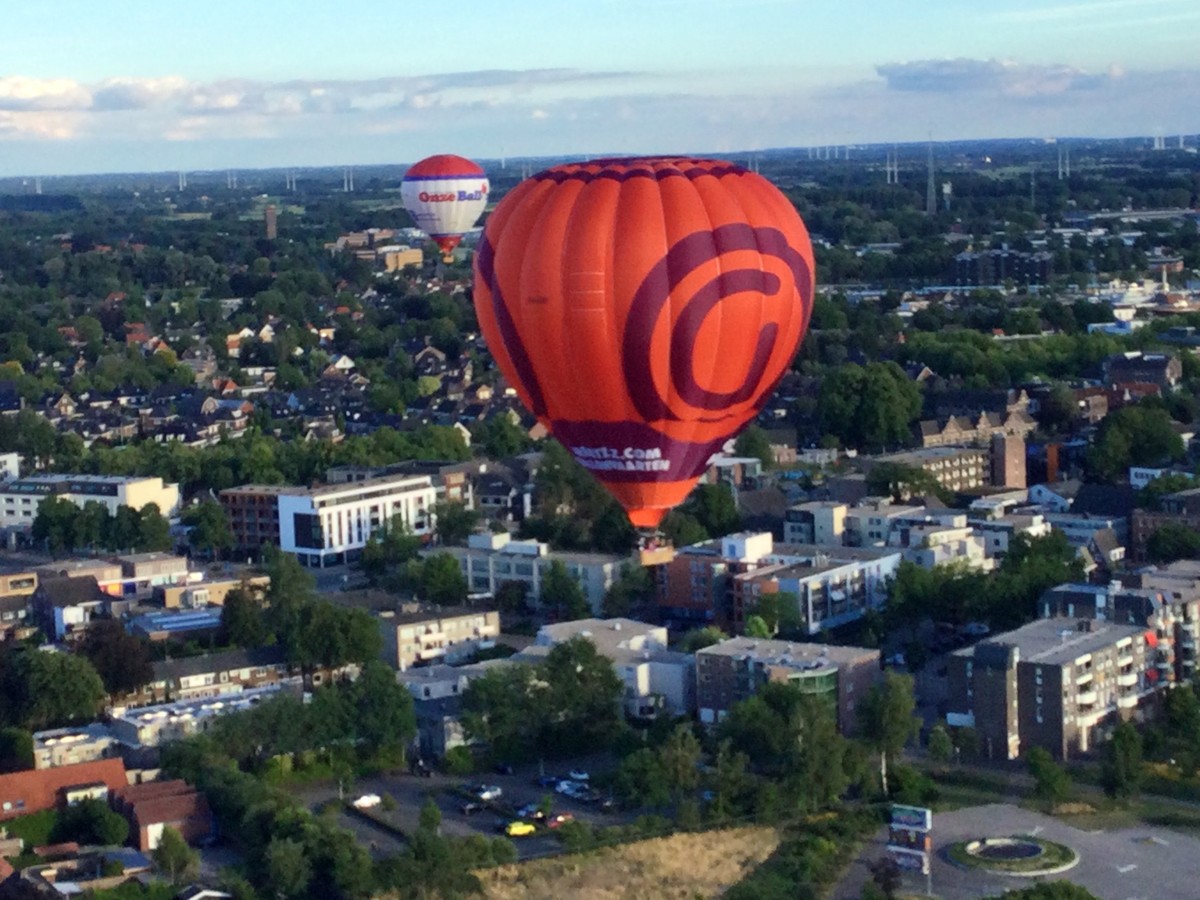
x: 329, y: 524
x: 153, y: 726
x: 734, y: 670
x: 68, y: 746
x: 695, y: 588
x: 1054, y: 683
x: 423, y: 637
x: 658, y: 681
x: 489, y: 560
x: 20, y: 499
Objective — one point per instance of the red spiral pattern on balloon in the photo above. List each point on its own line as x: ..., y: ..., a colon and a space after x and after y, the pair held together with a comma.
x: 694, y: 252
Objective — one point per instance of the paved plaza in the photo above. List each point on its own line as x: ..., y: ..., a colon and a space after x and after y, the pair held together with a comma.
x: 1143, y: 863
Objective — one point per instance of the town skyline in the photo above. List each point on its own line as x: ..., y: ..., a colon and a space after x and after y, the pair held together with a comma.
x: 180, y: 88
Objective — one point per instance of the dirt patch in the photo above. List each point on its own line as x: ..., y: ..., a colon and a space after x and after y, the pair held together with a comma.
x: 1074, y: 809
x: 680, y: 867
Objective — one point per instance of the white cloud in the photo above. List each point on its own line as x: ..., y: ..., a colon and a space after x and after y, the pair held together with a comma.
x: 20, y: 94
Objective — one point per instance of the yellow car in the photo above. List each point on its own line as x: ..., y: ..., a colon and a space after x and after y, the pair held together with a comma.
x: 520, y: 829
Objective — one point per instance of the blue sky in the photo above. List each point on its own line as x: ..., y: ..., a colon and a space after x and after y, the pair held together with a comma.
x: 164, y: 85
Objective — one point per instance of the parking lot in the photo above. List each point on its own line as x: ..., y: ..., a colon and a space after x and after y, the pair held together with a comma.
x: 449, y: 793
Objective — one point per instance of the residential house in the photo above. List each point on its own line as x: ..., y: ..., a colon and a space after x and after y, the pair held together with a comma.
x: 154, y: 806
x: 213, y: 675
x: 64, y: 607
x: 35, y: 790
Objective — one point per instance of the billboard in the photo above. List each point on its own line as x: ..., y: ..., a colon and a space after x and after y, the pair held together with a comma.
x: 914, y: 817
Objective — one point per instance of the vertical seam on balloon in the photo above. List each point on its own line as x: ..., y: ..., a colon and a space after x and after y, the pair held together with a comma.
x: 716, y: 361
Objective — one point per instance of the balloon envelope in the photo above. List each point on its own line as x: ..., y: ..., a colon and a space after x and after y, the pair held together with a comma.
x: 644, y: 310
x: 445, y: 195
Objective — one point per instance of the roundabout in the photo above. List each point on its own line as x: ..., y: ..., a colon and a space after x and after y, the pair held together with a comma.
x: 1019, y: 855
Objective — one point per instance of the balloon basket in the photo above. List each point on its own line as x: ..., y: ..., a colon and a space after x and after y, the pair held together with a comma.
x: 654, y: 548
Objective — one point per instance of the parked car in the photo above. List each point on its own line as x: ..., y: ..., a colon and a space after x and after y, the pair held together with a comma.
x: 367, y: 801
x: 471, y: 808
x: 578, y: 775
x: 567, y: 787
x: 531, y: 811
x: 547, y: 781
x: 559, y: 819
x: 487, y: 792
x: 520, y: 829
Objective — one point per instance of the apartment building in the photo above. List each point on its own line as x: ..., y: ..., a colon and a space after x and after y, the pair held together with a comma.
x: 694, y: 588
x: 1055, y: 683
x: 20, y: 499
x: 491, y: 559
x: 424, y: 637
x: 329, y: 524
x: 833, y: 585
x: 734, y: 670
x: 658, y: 681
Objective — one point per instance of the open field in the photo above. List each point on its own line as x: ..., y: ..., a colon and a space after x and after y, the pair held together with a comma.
x: 682, y: 866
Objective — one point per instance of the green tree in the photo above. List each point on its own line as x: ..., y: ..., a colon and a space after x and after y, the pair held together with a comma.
x: 243, y: 619
x: 1052, y: 784
x: 941, y: 747
x: 562, y: 593
x: 1172, y: 541
x: 153, y: 530
x: 431, y: 817
x: 42, y: 690
x: 699, y: 638
x: 16, y: 750
x: 640, y: 780
x: 886, y: 718
x: 757, y: 627
x: 442, y: 580
x: 91, y: 822
x: 1121, y: 763
x: 714, y: 508
x: 54, y: 525
x: 122, y: 660
x: 755, y: 442
x: 384, y: 713
x: 1141, y: 435
x: 869, y: 408
x: 174, y: 858
x: 455, y: 522
x: 680, y: 758
x: 287, y: 868
x: 210, y: 532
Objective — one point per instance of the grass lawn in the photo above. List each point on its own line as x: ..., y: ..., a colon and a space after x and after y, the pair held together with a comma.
x: 34, y: 828
x: 680, y: 867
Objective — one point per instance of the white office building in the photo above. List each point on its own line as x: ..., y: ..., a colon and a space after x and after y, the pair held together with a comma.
x: 20, y: 499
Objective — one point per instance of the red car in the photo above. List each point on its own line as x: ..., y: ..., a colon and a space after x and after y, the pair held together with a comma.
x: 559, y: 819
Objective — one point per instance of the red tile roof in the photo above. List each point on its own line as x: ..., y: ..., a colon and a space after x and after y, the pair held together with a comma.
x: 38, y: 789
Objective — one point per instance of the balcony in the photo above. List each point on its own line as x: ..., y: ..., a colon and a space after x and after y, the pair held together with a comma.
x: 1128, y: 679
x: 1129, y: 701
x: 1125, y: 661
x: 1085, y: 698
x: 1084, y: 678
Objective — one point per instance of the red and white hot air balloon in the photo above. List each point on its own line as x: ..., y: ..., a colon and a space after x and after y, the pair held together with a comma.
x: 445, y: 195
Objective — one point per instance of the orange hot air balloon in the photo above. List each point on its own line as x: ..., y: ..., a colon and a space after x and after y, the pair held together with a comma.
x: 644, y: 310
